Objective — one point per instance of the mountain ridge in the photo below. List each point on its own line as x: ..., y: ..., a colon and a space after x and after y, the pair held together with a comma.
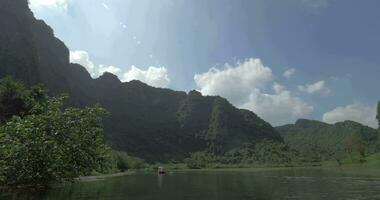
x: 153, y: 123
x: 316, y: 137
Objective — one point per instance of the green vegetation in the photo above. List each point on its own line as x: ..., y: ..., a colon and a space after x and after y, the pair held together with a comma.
x: 16, y: 100
x: 43, y: 139
x: 319, y: 141
x: 121, y: 161
x: 307, y: 143
x: 265, y: 153
x: 42, y: 143
x: 158, y: 125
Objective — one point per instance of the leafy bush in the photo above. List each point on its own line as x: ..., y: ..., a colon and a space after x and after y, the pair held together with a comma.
x: 15, y: 99
x: 121, y: 161
x: 50, y: 144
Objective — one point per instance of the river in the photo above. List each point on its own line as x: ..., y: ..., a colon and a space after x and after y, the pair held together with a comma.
x: 239, y: 184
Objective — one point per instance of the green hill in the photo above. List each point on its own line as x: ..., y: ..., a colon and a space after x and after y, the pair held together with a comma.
x: 323, y: 140
x: 152, y: 123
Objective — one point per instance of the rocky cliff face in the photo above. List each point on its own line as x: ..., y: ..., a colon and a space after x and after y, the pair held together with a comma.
x: 153, y: 123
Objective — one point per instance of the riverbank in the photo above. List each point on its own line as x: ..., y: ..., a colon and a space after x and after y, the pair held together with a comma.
x: 369, y: 168
x: 361, y: 170
x: 103, y: 176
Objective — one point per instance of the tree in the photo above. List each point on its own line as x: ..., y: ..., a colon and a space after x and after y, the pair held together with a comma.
x: 49, y: 144
x: 199, y: 160
x: 378, y: 119
x: 378, y: 113
x: 13, y: 99
x: 337, y: 154
x: 17, y: 100
x: 354, y: 143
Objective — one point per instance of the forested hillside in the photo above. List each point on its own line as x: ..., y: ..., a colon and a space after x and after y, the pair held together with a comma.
x: 152, y: 123
x: 322, y: 141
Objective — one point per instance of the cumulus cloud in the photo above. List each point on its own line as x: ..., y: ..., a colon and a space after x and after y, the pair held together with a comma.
x: 82, y: 58
x: 245, y: 85
x: 289, y: 73
x: 280, y: 108
x: 355, y: 112
x: 154, y: 76
x: 318, y: 87
x: 35, y: 4
x: 112, y: 69
x: 234, y: 82
x: 278, y: 88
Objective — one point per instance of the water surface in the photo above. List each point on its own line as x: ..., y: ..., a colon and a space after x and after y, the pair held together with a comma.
x: 222, y: 185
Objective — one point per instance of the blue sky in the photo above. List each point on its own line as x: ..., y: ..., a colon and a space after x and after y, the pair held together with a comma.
x: 328, y: 49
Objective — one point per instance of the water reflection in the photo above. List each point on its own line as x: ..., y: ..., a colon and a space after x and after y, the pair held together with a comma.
x: 311, y: 184
x: 160, y: 179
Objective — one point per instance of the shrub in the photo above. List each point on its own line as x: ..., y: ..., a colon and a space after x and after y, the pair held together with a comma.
x: 50, y: 144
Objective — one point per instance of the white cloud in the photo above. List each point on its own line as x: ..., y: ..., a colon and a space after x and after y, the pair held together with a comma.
x: 82, y: 58
x: 234, y: 82
x: 36, y: 4
x: 278, y: 88
x: 355, y: 112
x: 112, y: 69
x: 279, y: 109
x: 318, y: 87
x: 244, y: 85
x: 154, y: 76
x: 289, y: 73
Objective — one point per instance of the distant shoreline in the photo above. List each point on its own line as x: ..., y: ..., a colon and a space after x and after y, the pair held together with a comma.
x: 357, y: 170
x: 103, y: 176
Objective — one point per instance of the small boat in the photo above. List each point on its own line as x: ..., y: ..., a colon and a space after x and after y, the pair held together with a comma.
x: 161, y: 170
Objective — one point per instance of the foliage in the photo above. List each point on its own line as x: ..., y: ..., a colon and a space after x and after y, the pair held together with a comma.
x: 50, y: 144
x: 265, y: 153
x: 121, y: 161
x: 15, y: 99
x: 163, y: 124
x: 354, y: 143
x: 199, y: 160
x: 318, y: 141
x: 378, y: 113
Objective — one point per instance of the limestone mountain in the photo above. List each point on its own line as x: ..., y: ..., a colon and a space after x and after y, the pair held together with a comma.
x: 152, y: 123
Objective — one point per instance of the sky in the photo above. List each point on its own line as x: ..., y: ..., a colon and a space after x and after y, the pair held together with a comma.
x: 284, y: 60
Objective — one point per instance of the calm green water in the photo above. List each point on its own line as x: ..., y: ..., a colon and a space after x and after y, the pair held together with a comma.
x: 300, y: 184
